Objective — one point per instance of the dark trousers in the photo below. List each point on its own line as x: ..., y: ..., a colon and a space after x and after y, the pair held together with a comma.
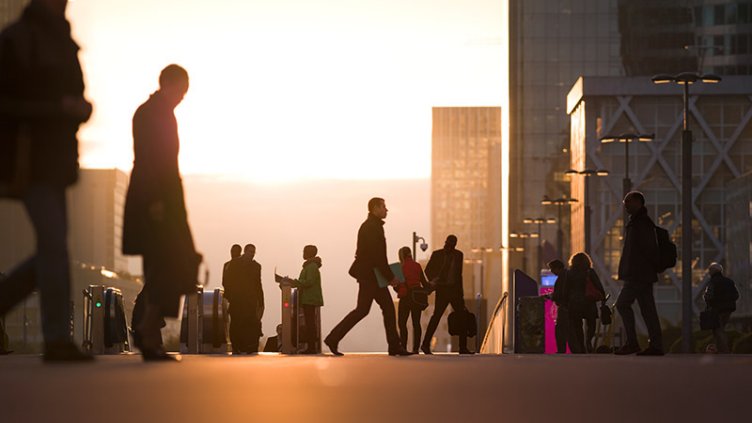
x: 590, y: 323
x: 443, y: 299
x: 643, y: 293
x: 310, y: 336
x: 580, y: 342
x: 562, y: 330
x: 406, y: 309
x: 368, y: 292
x: 719, y: 333
x: 576, y: 337
x: 49, y: 269
x: 245, y: 328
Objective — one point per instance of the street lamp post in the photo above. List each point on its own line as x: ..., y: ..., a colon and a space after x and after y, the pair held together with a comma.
x: 524, y: 236
x: 685, y: 80
x: 539, y: 221
x: 423, y: 245
x: 587, y: 173
x: 480, y: 292
x: 626, y: 139
x: 559, y: 202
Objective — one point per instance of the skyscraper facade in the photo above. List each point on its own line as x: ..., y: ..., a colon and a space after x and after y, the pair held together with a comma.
x: 466, y: 192
x: 551, y: 43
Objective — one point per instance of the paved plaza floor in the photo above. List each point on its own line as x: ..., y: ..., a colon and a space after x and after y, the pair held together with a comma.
x: 379, y: 388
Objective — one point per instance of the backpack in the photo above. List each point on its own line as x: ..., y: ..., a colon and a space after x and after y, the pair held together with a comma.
x: 666, y: 250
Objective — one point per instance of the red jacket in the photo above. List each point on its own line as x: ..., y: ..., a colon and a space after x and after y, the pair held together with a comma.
x: 414, y: 277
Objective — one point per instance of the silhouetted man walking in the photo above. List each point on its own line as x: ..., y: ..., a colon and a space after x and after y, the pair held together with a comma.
x: 637, y: 269
x: 370, y: 256
x: 155, y: 221
x: 246, y: 296
x: 445, y: 269
x: 42, y: 105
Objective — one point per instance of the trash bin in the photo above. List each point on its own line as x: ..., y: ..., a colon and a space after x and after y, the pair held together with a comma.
x: 530, y: 315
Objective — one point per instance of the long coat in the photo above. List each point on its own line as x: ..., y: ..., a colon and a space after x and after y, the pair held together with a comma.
x: 166, y: 243
x: 39, y: 67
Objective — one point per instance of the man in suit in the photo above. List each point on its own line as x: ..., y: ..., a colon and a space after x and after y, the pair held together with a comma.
x: 246, y: 296
x: 370, y: 256
x: 445, y: 269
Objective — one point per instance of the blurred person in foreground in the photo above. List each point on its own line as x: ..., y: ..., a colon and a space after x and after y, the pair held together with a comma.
x: 42, y: 105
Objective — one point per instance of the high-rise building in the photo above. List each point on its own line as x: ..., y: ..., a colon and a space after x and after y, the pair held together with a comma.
x: 95, y: 219
x: 466, y: 194
x: 720, y: 118
x: 551, y: 43
x: 670, y: 36
x: 657, y: 36
x: 739, y: 239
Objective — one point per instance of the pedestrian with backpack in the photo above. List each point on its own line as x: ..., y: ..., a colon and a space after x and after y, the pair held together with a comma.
x: 583, y: 290
x: 638, y: 269
x: 720, y: 296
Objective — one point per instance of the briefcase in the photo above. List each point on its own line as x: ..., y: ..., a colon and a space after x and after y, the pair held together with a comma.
x: 456, y: 323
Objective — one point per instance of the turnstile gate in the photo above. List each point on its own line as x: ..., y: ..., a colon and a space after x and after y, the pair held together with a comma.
x: 203, y: 329
x: 293, y: 322
x: 105, y: 327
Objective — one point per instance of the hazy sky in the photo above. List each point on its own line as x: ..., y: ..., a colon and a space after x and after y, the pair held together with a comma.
x: 301, y: 91
x: 282, y: 218
x: 289, y: 89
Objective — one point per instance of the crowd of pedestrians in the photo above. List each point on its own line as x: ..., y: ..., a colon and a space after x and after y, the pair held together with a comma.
x: 42, y: 105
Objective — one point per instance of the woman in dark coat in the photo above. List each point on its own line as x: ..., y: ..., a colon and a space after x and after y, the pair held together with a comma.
x: 583, y: 290
x: 155, y: 220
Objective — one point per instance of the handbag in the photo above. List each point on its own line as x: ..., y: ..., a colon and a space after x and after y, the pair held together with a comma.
x: 419, y: 297
x: 709, y: 320
x: 591, y: 292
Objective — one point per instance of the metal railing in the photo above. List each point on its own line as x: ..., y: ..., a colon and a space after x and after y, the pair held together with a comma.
x: 493, y: 341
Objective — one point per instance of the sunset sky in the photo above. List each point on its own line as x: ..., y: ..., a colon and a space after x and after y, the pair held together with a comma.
x: 291, y: 102
x: 286, y: 90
